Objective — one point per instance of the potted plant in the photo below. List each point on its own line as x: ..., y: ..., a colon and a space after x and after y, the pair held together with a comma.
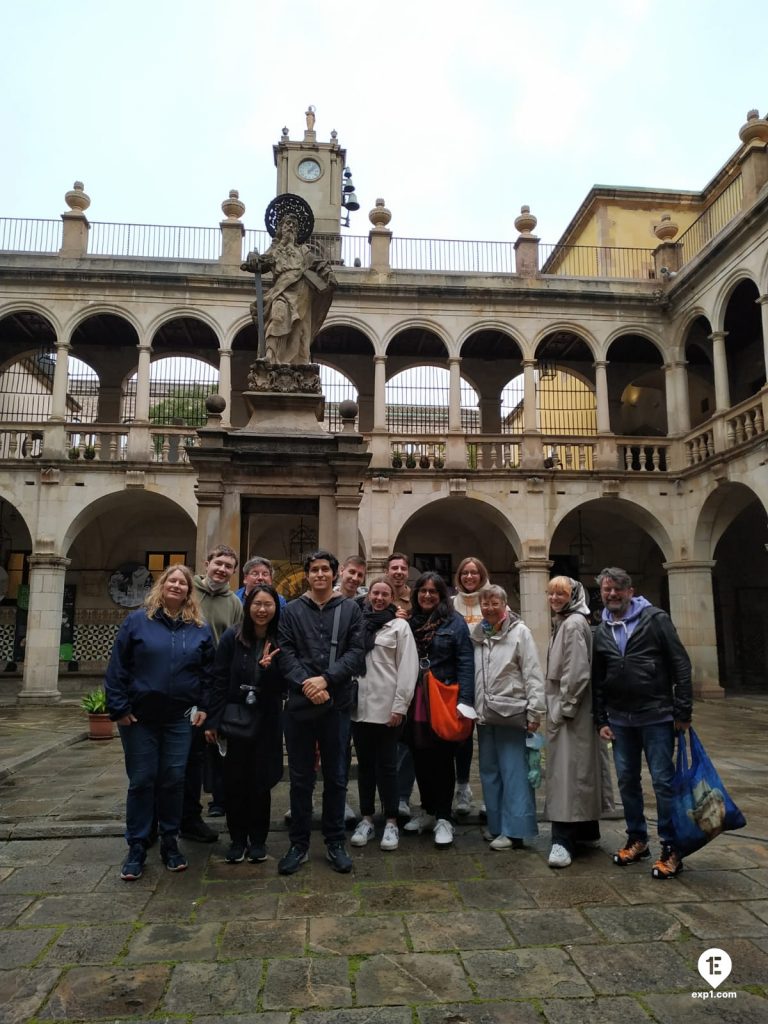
x: 73, y: 453
x: 397, y: 460
x: 410, y: 461
x: 89, y: 452
x: 424, y: 461
x: 438, y: 462
x: 100, y: 725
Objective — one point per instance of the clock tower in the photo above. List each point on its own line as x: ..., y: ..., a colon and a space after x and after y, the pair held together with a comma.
x: 314, y: 171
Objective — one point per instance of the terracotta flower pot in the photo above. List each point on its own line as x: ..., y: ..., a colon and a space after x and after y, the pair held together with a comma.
x: 100, y: 727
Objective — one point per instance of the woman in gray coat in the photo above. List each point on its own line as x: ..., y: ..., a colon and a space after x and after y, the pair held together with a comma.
x: 573, y: 756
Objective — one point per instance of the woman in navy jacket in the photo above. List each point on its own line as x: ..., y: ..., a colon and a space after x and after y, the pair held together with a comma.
x: 443, y: 643
x: 245, y: 674
x: 157, y: 686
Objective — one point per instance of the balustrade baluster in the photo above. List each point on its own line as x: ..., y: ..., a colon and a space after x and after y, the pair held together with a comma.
x: 759, y: 425
x: 749, y: 426
x: 730, y: 433
x: 739, y: 429
x: 493, y: 454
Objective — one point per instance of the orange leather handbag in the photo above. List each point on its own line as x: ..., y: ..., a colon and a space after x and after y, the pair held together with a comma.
x: 444, y: 719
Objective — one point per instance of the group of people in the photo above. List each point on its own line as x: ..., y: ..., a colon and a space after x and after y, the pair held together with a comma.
x: 347, y: 665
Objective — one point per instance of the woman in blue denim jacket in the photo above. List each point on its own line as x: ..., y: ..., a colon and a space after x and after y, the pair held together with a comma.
x: 443, y: 643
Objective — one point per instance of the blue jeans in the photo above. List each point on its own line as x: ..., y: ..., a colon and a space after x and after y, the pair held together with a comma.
x: 155, y: 762
x: 657, y: 742
x: 331, y: 735
x: 509, y: 797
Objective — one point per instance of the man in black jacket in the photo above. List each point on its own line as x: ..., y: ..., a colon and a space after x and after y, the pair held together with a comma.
x: 641, y: 677
x: 321, y: 650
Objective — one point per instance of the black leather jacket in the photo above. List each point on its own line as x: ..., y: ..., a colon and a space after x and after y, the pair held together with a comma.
x: 653, y: 674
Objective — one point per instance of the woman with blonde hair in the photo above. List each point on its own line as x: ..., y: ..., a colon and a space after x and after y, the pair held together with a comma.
x: 471, y: 576
x: 573, y: 802
x: 157, y: 686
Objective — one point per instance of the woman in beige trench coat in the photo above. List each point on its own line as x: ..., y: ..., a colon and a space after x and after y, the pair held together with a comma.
x: 573, y: 757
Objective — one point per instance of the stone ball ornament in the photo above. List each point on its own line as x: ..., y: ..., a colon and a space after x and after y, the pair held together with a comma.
x: 215, y: 404
x: 348, y: 409
x: 287, y: 203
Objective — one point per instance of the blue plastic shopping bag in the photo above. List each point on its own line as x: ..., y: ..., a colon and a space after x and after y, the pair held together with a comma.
x: 701, y: 806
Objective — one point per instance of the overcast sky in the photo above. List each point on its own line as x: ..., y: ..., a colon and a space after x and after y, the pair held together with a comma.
x: 456, y: 114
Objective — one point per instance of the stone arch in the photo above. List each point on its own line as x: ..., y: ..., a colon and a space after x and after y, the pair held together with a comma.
x: 721, y: 506
x: 415, y: 325
x: 564, y: 327
x: 724, y: 294
x: 637, y: 387
x: 745, y: 355
x: 612, y: 509
x: 121, y: 506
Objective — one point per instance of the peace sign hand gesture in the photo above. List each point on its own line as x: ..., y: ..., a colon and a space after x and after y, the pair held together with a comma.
x: 268, y: 654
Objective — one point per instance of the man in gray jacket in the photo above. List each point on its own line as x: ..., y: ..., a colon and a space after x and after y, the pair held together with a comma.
x: 641, y: 676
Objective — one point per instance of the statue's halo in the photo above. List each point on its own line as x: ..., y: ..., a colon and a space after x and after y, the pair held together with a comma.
x: 285, y: 203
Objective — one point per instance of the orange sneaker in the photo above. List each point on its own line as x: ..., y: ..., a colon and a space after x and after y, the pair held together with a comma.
x: 669, y: 864
x: 631, y: 853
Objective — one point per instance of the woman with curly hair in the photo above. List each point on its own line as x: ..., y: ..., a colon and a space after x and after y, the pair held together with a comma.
x: 157, y: 687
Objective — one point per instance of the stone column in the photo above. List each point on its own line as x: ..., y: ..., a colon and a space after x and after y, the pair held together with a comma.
x: 41, y: 658
x: 763, y: 300
x: 530, y: 419
x: 692, y: 608
x: 141, y: 411
x: 679, y: 381
x: 225, y: 383
x: 59, y: 390
x: 720, y: 363
x: 380, y: 393
x: 454, y: 400
x: 534, y: 610
x: 670, y: 399
x: 601, y: 397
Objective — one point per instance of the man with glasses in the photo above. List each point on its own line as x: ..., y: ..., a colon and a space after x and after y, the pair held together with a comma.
x: 641, y: 677
x: 257, y: 570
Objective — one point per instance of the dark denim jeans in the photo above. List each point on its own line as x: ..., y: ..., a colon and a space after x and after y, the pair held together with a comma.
x: 657, y: 742
x: 331, y: 735
x: 155, y: 762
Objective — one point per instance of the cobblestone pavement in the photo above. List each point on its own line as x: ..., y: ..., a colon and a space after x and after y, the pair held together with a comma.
x: 418, y: 936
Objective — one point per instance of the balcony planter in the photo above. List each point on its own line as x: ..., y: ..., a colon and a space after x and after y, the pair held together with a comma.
x: 73, y: 454
x: 424, y: 462
x: 397, y: 461
x: 438, y: 462
x: 410, y: 461
x: 89, y: 453
x: 100, y: 725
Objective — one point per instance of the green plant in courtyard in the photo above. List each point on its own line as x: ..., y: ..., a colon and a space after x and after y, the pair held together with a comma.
x: 95, y: 702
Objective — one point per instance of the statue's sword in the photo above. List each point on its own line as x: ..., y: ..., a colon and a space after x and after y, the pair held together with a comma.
x: 261, y: 351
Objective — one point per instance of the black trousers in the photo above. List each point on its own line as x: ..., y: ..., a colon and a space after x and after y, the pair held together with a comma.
x: 376, y: 749
x: 247, y: 796
x: 436, y: 777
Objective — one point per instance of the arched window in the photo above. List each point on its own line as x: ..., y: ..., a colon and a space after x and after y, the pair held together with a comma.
x: 418, y: 399
x: 26, y: 389
x: 337, y: 388
x: 178, y: 388
x: 565, y: 404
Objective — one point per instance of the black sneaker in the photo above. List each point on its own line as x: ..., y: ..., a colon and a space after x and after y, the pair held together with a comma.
x: 216, y: 811
x: 133, y: 867
x: 338, y: 858
x: 257, y: 853
x: 235, y: 854
x: 198, y: 831
x: 171, y: 856
x: 292, y: 861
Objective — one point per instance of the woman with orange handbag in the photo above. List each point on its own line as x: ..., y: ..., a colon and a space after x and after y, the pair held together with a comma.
x: 445, y: 650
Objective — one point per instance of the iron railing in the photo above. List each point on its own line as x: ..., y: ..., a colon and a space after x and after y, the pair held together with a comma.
x: 18, y: 234
x: 452, y: 254
x: 154, y: 241
x: 596, y: 261
x: 712, y: 220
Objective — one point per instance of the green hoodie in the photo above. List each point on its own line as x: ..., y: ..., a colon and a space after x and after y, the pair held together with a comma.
x: 221, y: 609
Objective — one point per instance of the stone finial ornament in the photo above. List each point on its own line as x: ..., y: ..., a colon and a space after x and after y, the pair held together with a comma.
x: 309, y: 113
x: 334, y: 135
x: 755, y: 129
x: 526, y: 222
x: 285, y: 134
x: 76, y: 199
x: 380, y: 216
x: 666, y: 229
x: 233, y: 208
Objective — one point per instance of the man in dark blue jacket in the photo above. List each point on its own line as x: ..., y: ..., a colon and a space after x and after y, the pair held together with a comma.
x: 321, y: 650
x: 641, y: 677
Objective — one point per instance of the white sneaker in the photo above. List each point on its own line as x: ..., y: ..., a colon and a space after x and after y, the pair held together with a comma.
x: 391, y: 837
x: 443, y: 832
x: 349, y: 814
x: 463, y: 798
x: 559, y: 856
x: 501, y: 843
x: 403, y: 810
x: 421, y: 823
x: 362, y: 833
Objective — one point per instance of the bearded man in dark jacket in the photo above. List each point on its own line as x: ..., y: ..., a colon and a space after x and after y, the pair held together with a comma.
x: 641, y: 680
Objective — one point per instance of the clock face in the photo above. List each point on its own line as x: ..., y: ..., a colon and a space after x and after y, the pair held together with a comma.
x: 309, y: 170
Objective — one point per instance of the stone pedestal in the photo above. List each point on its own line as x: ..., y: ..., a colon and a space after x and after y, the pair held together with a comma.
x: 274, y: 412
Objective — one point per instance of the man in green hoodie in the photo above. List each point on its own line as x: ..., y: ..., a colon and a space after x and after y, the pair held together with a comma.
x: 221, y: 608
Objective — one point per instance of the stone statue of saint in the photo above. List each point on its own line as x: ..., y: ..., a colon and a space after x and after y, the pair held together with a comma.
x: 298, y: 300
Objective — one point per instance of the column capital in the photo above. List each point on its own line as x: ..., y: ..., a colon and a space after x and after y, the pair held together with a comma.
x: 718, y: 335
x: 530, y: 363
x: 454, y: 360
x: 761, y: 300
x: 379, y: 359
x: 690, y: 565
x: 48, y: 561
x: 225, y: 352
x: 600, y: 364
x: 534, y: 564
